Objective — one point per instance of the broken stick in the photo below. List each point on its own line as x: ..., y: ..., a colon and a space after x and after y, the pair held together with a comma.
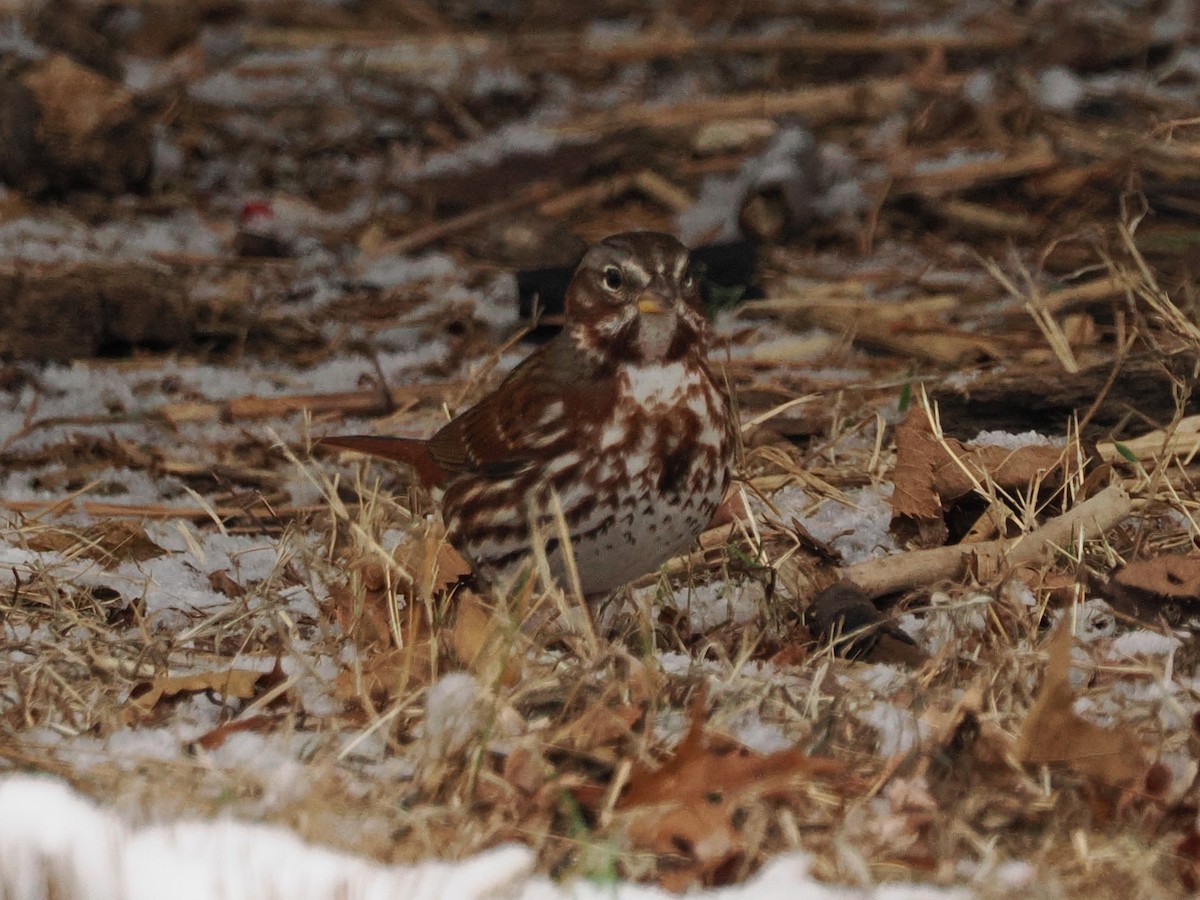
x: 903, y: 572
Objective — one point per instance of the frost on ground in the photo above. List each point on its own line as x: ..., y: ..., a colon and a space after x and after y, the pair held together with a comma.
x: 257, y: 658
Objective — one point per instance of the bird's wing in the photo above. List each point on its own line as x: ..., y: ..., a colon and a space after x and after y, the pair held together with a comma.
x: 528, y: 418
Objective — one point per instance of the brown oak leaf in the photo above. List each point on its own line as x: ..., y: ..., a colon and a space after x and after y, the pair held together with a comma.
x: 1054, y: 734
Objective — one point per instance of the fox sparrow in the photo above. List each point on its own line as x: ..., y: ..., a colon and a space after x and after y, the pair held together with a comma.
x: 618, y: 415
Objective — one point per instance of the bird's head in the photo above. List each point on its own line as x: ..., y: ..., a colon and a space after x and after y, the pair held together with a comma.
x: 635, y: 298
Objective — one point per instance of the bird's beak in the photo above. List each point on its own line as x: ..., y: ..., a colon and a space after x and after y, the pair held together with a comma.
x: 653, y: 303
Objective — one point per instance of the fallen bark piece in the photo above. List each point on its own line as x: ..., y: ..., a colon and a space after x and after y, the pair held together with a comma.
x: 1036, y: 156
x: 864, y: 99
x: 1045, y: 399
x: 77, y: 311
x: 567, y: 48
x: 350, y: 403
x: 917, y: 327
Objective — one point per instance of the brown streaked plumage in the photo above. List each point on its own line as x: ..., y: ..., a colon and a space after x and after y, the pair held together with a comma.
x: 619, y: 415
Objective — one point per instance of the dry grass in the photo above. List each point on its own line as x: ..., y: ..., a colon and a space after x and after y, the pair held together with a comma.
x: 374, y: 775
x: 398, y: 714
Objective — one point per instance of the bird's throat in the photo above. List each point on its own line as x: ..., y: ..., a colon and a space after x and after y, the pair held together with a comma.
x: 655, y: 335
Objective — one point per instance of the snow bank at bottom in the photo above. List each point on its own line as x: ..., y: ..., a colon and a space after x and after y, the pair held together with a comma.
x: 55, y: 843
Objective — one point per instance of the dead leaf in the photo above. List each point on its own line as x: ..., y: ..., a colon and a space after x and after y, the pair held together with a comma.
x: 385, y: 675
x: 684, y: 810
x: 609, y: 717
x: 1054, y: 734
x: 361, y: 607
x: 231, y: 684
x: 930, y: 474
x: 222, y: 582
x: 1187, y: 860
x: 1008, y: 468
x: 213, y: 739
x: 386, y: 671
x: 435, y: 565
x: 519, y: 781
x: 423, y: 566
x: 966, y: 726
x: 1059, y: 586
x: 1159, y: 588
x: 385, y: 610
x: 482, y: 640
x: 602, y: 725
x: 917, y: 456
x: 110, y: 542
x: 525, y: 769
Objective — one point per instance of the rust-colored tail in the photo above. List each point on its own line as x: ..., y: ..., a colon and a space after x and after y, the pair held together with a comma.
x: 410, y: 451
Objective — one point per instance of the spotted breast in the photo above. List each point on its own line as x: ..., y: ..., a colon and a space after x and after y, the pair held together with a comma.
x: 618, y: 420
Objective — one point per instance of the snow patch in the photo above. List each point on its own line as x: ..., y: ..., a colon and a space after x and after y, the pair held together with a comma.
x: 1143, y: 643
x: 858, y: 530
x: 980, y: 89
x: 454, y: 711
x: 55, y: 842
x: 510, y: 140
x: 898, y: 729
x: 954, y: 160
x: 1059, y: 89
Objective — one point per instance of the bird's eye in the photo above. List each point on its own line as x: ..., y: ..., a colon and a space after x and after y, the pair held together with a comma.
x: 687, y: 281
x: 612, y: 278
